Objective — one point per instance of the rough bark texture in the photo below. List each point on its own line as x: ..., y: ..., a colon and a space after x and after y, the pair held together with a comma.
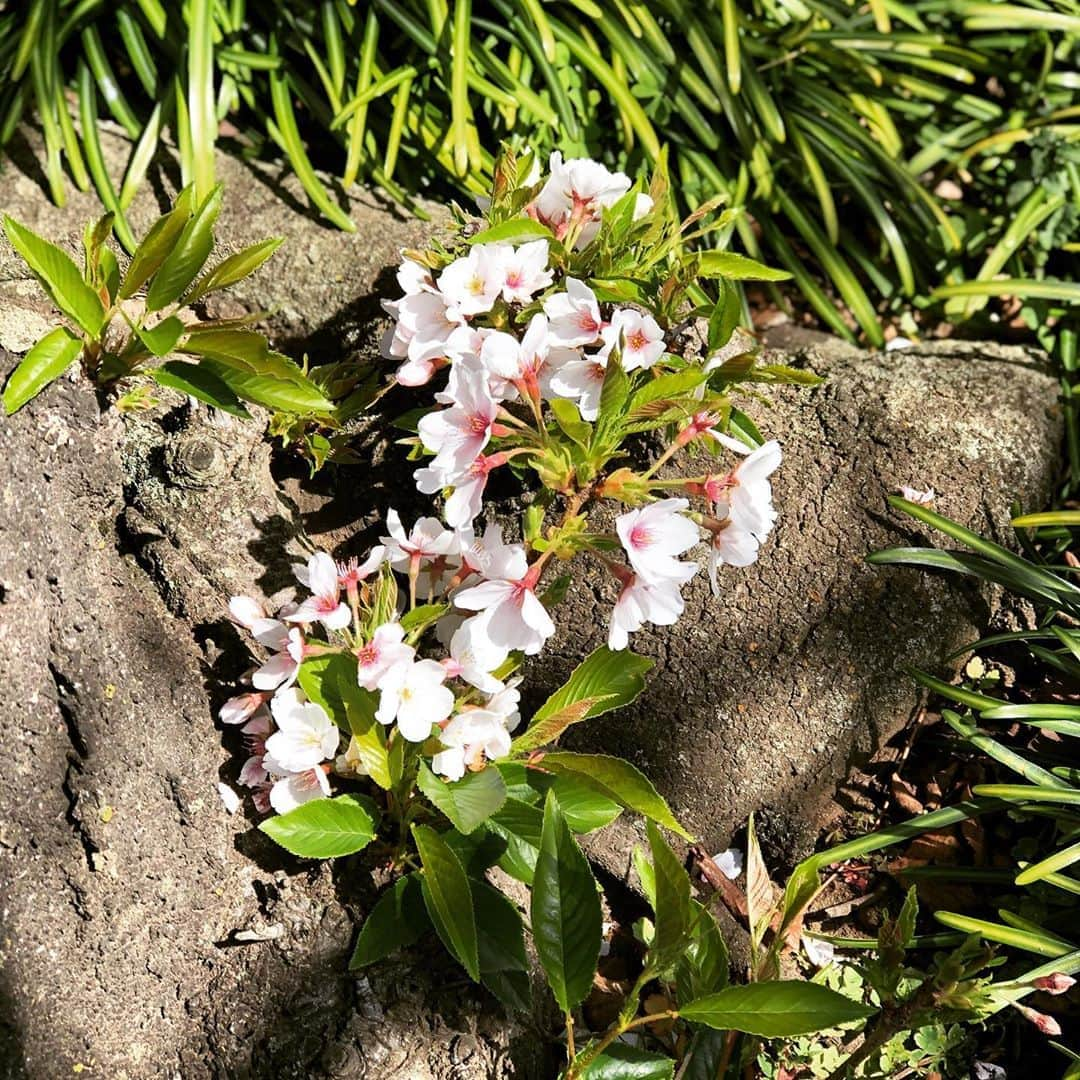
x: 125, y: 881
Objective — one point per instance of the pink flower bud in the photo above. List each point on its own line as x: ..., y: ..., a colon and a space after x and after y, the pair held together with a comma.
x: 1057, y: 983
x: 1046, y: 1024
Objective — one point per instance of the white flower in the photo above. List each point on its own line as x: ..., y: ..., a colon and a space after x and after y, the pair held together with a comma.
x: 581, y: 380
x: 458, y: 434
x: 529, y: 362
x: 229, y: 797
x: 326, y: 606
x: 291, y: 790
x: 470, y: 285
x: 640, y: 602
x: 414, y: 695
x: 305, y: 737
x: 465, y: 501
x: 424, y: 324
x: 385, y: 650
x: 478, y: 735
x: 643, y: 205
x: 654, y: 536
x: 247, y: 612
x: 413, y: 278
x: 638, y: 336
x: 237, y: 709
x: 918, y: 496
x: 729, y: 862
x: 473, y: 655
x: 525, y: 272
x: 819, y: 953
x: 352, y: 572
x: 516, y: 617
x: 576, y: 191
x: 574, y: 315
x: 427, y: 540
x: 282, y: 668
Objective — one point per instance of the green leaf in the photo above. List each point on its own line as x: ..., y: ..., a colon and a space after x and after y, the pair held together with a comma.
x: 187, y: 256
x: 504, y: 966
x: 467, y: 802
x: 664, y: 389
x: 325, y: 828
x: 398, y: 919
x: 282, y: 386
x: 565, y: 914
x: 59, y: 276
x: 611, y: 679
x: 448, y: 898
x: 235, y: 268
x: 549, y: 728
x: 735, y: 267
x: 517, y: 230
x: 162, y: 339
x: 157, y: 244
x: 703, y: 967
x: 775, y: 1010
x: 198, y: 381
x: 585, y: 808
x: 521, y: 826
x: 622, y: 1062
x: 672, y: 904
x: 568, y: 417
x: 705, y: 1057
x: 618, y: 780
x: 420, y: 618
x: 726, y: 315
x: 44, y: 363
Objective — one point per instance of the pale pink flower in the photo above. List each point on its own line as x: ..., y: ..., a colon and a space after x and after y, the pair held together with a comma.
x: 476, y: 736
x: 458, y: 434
x: 386, y: 649
x: 414, y: 695
x: 325, y: 606
x: 282, y: 668
x: 471, y: 284
x: 291, y: 790
x: 516, y: 617
x: 428, y: 539
x: 525, y: 364
x: 352, y: 572
x: 305, y: 734
x: 581, y: 380
x: 918, y: 496
x: 641, y: 601
x: 1058, y: 983
x: 654, y: 535
x: 473, y: 655
x: 638, y: 337
x: 576, y: 192
x: 1046, y: 1024
x: 525, y: 272
x: 574, y: 316
x: 238, y: 709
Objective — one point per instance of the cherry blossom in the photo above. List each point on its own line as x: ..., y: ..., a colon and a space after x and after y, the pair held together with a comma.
x: 413, y: 694
x: 282, y: 668
x: 385, y: 650
x: 428, y: 539
x: 352, y: 572
x: 574, y: 316
x: 305, y: 735
x: 654, y: 536
x: 470, y: 285
x: 325, y: 606
x: 526, y: 365
x: 474, y: 656
x: 238, y: 709
x: 290, y: 790
x: 582, y: 380
x: 575, y: 193
x: 638, y: 337
x: 525, y: 272
x: 458, y: 434
x: 659, y: 602
x: 478, y: 735
x: 516, y: 617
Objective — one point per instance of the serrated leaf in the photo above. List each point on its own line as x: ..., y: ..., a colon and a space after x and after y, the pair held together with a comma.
x: 663, y: 390
x: 43, y: 364
x: 565, y: 913
x: 187, y: 256
x: 705, y: 1057
x: 235, y: 268
x: 59, y: 276
x: 568, y: 417
x: 448, y: 898
x: 622, y: 1062
x: 467, y: 802
x: 325, y: 828
x: 776, y: 1009
x: 726, y: 315
x: 731, y: 265
x: 163, y: 338
x: 398, y: 919
x: 671, y: 904
x: 198, y: 381
x: 294, y: 394
x: 157, y: 244
x: 618, y: 780
x: 549, y: 728
x: 611, y: 679
x: 517, y: 230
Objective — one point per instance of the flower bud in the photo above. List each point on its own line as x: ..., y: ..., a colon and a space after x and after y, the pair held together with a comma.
x: 1046, y: 1024
x: 1055, y: 984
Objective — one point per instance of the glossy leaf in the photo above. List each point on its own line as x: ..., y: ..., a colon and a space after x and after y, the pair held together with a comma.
x: 157, y: 244
x: 671, y: 903
x: 235, y: 268
x: 565, y: 914
x: 43, y: 364
x: 448, y: 898
x: 201, y: 383
x: 467, y: 802
x: 184, y: 261
x: 609, y: 679
x: 398, y: 919
x: 59, y: 276
x: 735, y: 267
x: 163, y: 338
x: 777, y: 1009
x: 504, y: 965
x: 325, y: 828
x: 622, y: 1062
